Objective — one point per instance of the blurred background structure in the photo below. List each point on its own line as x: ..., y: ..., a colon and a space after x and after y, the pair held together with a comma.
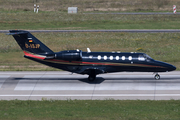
x: 91, y: 5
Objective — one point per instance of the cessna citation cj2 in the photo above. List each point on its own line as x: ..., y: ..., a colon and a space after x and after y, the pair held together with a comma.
x: 90, y: 63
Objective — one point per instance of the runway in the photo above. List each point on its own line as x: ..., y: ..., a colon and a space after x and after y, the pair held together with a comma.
x: 121, y: 30
x: 60, y: 85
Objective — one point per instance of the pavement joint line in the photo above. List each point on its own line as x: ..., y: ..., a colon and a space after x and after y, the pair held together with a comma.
x: 93, y: 91
x: 36, y: 84
x: 155, y: 90
x: 6, y: 84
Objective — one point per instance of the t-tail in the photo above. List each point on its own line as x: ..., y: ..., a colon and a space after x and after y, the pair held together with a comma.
x: 30, y: 45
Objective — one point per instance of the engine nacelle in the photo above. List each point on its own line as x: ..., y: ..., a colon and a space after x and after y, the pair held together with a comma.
x: 69, y: 55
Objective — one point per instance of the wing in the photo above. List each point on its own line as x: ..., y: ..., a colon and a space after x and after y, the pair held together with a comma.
x: 91, y: 69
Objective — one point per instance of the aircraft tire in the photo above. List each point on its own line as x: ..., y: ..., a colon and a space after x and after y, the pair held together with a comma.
x: 157, y: 77
x: 91, y: 78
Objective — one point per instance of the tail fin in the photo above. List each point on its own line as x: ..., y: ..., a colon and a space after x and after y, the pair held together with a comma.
x: 29, y: 43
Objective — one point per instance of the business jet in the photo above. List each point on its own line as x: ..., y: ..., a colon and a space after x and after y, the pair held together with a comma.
x: 90, y: 63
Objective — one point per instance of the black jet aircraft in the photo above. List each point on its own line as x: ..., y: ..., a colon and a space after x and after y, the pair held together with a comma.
x: 90, y: 63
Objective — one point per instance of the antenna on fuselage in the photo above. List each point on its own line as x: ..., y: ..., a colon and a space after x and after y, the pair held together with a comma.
x: 88, y: 50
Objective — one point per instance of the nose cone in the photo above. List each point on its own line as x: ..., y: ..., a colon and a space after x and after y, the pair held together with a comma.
x: 166, y: 67
x: 171, y: 67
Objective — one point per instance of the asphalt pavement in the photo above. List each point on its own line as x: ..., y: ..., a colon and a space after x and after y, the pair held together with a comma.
x: 60, y: 85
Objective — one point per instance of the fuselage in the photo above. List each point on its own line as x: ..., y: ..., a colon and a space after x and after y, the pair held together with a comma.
x: 105, y: 62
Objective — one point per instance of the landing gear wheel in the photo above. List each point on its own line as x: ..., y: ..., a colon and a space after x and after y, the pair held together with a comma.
x: 91, y: 78
x: 157, y: 77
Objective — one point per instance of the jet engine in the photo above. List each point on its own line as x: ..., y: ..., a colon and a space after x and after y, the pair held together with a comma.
x: 69, y: 55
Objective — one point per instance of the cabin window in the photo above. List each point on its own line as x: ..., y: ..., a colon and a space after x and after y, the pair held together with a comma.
x: 141, y: 58
x: 90, y: 56
x: 99, y: 57
x: 105, y: 57
x: 111, y: 57
x: 117, y: 57
x: 130, y: 57
x: 123, y: 57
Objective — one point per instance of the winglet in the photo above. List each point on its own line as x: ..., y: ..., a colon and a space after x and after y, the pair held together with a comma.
x: 88, y: 50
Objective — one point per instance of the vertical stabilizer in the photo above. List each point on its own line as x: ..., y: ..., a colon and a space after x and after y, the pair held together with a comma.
x: 29, y: 43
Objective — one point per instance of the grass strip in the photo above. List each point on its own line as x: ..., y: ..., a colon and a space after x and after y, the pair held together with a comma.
x: 61, y: 20
x: 90, y: 109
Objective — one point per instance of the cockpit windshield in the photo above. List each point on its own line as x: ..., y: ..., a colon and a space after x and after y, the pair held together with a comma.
x: 147, y: 57
x: 144, y: 57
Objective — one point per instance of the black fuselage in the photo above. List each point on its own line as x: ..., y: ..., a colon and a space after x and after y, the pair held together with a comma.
x: 91, y: 63
x: 105, y: 62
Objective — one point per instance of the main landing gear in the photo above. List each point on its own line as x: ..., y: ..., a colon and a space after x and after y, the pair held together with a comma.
x: 91, y: 78
x: 157, y: 77
x: 92, y: 75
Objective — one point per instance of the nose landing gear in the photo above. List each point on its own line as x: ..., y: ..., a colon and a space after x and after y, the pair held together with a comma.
x: 157, y: 77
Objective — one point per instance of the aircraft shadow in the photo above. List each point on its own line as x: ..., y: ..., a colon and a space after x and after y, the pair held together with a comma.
x: 174, y: 78
x: 97, y: 81
x: 101, y: 79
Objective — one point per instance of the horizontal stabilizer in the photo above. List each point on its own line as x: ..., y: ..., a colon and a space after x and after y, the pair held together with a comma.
x: 16, y: 32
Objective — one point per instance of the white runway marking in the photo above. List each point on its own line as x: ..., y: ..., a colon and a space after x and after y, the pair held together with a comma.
x: 59, y: 85
x: 3, y: 78
x: 27, y: 84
